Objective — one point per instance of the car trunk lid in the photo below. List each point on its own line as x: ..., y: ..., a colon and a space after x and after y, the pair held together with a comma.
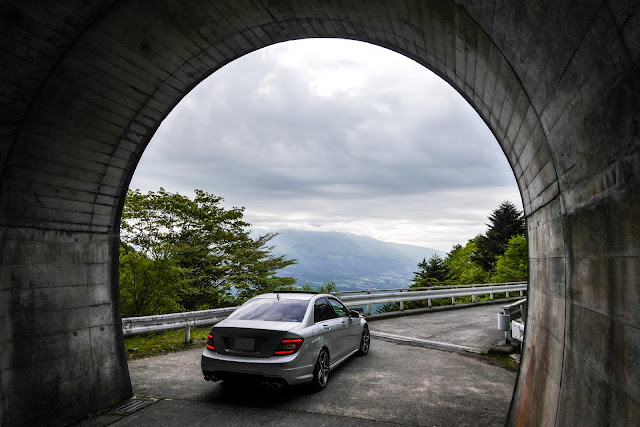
x: 250, y: 338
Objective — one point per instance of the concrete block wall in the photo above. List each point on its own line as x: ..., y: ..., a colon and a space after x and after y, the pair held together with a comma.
x: 87, y: 86
x: 59, y: 333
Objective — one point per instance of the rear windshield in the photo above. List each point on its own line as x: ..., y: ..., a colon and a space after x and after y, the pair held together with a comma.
x: 272, y: 310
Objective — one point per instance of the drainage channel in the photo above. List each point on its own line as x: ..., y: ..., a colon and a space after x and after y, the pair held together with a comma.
x: 132, y: 405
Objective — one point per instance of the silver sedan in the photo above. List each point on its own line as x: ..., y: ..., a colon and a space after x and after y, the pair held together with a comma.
x: 285, y: 338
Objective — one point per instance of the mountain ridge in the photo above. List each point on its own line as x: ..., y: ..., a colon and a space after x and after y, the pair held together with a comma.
x: 354, y: 262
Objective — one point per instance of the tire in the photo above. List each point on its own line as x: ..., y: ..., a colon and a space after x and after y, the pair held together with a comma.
x: 321, y: 371
x: 365, y: 342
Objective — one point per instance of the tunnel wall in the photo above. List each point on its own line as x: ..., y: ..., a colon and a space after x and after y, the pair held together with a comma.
x: 85, y: 88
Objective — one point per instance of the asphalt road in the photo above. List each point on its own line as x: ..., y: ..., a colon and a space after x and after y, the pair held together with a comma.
x: 475, y: 327
x: 395, y: 384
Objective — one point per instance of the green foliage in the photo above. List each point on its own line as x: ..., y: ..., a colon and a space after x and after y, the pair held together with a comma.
x: 505, y: 360
x: 389, y: 307
x: 506, y: 221
x: 191, y: 254
x: 163, y: 342
x: 147, y: 286
x: 512, y: 266
x: 498, y: 256
x: 327, y: 287
x: 430, y: 273
x: 462, y: 268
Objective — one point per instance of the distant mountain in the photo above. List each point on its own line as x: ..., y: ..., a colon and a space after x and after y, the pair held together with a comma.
x: 353, y: 262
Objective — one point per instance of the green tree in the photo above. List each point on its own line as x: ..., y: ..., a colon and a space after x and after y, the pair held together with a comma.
x: 430, y: 273
x: 327, y: 287
x: 147, y: 286
x: 506, y: 221
x: 461, y: 265
x: 512, y: 266
x: 203, y: 248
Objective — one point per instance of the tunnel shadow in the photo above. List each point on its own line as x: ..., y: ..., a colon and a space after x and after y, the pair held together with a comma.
x: 251, y: 394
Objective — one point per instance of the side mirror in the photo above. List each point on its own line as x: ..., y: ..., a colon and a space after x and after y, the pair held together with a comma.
x: 353, y: 313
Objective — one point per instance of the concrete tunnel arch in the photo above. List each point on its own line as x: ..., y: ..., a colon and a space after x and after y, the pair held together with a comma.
x: 85, y: 87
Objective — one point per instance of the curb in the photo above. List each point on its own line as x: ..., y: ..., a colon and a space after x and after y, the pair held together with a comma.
x: 416, y: 311
x: 399, y: 339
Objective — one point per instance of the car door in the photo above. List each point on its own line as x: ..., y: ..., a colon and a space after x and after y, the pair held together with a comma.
x: 330, y: 325
x: 351, y: 325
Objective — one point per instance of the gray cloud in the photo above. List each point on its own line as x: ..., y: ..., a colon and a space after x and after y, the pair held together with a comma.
x: 304, y: 139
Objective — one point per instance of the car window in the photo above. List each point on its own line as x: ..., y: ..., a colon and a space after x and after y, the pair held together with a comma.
x: 323, y: 311
x: 273, y: 310
x: 340, y: 309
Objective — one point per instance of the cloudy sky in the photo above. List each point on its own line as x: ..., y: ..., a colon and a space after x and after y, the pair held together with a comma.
x: 334, y: 135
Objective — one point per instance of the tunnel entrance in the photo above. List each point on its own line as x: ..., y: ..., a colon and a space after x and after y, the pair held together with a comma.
x: 86, y: 87
x: 301, y: 123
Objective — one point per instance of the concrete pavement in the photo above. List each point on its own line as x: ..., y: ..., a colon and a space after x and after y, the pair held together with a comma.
x: 475, y: 326
x: 393, y: 385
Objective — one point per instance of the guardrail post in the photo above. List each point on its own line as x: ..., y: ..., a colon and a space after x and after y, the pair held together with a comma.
x: 369, y: 305
x: 491, y: 296
x: 187, y: 334
x: 473, y: 298
x: 402, y: 304
x: 429, y: 302
x: 521, y: 293
x: 453, y: 300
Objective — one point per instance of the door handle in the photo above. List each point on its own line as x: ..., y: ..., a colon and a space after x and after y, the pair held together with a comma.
x: 326, y: 326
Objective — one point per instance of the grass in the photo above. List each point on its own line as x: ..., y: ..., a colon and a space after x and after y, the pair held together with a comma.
x: 163, y: 342
x: 503, y: 360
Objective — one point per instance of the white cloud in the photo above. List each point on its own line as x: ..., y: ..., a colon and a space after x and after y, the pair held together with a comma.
x: 334, y: 135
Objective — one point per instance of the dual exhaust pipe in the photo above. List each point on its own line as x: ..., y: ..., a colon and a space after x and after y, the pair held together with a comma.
x: 267, y: 385
x: 273, y: 385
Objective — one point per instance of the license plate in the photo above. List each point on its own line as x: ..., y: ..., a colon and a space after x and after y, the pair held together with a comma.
x: 246, y: 344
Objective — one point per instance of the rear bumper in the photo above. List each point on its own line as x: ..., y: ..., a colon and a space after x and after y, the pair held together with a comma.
x: 294, y: 369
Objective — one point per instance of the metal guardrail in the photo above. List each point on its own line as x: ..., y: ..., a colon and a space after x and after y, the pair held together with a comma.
x: 410, y: 294
x: 511, y: 321
x: 164, y: 322
x: 473, y: 285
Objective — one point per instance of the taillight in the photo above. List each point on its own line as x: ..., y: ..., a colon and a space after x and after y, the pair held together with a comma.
x: 289, y: 346
x: 210, y: 345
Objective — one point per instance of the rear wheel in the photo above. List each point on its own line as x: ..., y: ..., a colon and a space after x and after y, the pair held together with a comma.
x: 321, y: 371
x: 365, y: 342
